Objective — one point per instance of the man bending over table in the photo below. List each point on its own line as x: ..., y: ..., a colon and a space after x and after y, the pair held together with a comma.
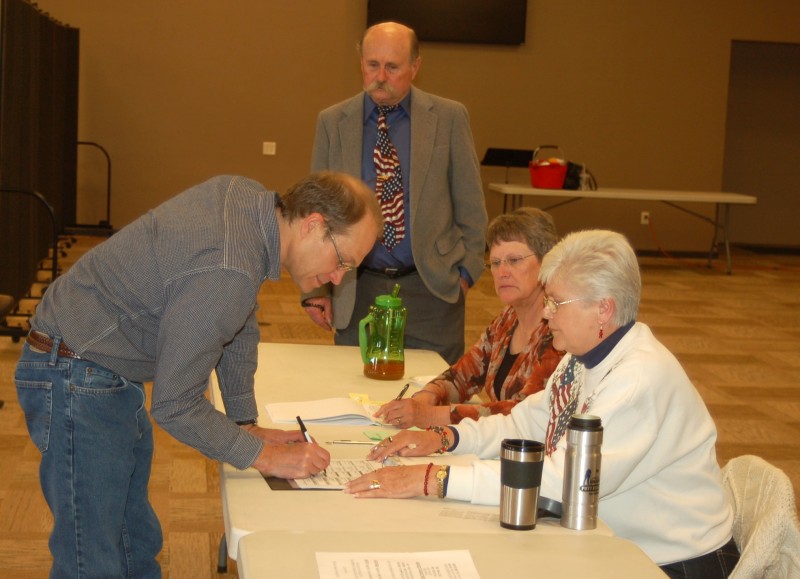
x: 168, y: 299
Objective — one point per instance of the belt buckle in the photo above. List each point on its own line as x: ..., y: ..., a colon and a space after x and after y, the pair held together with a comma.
x: 391, y: 272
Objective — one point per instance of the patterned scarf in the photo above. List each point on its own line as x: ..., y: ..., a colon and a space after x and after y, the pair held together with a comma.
x: 563, y: 402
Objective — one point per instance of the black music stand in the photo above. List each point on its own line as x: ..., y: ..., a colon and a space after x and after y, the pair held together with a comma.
x: 507, y: 158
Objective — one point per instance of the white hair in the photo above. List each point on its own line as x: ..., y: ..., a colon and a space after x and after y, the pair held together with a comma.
x: 597, y: 264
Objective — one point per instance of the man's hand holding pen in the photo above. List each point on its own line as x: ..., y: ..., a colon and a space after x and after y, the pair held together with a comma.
x: 280, y: 458
x: 307, y: 436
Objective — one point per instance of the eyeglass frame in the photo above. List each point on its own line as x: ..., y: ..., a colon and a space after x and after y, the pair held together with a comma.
x: 511, y: 262
x: 553, y: 305
x: 342, y: 266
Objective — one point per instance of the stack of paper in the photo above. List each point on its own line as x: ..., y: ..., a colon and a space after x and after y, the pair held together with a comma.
x: 327, y: 411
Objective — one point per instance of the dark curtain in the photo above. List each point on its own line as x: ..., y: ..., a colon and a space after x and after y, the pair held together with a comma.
x: 38, y: 138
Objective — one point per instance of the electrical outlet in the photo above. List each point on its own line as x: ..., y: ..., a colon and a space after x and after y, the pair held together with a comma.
x: 644, y: 218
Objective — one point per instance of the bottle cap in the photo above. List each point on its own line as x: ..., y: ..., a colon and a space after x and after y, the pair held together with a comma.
x: 585, y: 422
x: 390, y: 300
x: 387, y: 301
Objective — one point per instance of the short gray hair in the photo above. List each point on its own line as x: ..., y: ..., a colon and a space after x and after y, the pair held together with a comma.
x: 597, y: 264
x: 529, y: 225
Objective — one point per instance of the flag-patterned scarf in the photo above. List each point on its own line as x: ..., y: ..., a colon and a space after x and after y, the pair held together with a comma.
x: 563, y: 401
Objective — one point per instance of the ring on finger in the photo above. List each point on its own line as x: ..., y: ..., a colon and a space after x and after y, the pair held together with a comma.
x: 375, y: 484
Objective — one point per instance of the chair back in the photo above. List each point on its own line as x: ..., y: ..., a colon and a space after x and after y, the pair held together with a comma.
x: 765, y: 526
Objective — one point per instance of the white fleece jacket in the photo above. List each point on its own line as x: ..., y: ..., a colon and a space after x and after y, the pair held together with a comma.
x: 660, y: 484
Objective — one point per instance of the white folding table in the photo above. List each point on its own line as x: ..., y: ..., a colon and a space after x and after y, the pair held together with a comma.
x: 292, y: 373
x: 721, y: 201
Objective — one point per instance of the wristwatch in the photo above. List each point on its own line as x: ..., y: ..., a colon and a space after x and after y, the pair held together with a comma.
x: 441, y: 475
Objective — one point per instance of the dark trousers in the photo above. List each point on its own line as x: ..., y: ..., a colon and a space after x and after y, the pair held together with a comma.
x: 714, y: 565
x: 431, y: 323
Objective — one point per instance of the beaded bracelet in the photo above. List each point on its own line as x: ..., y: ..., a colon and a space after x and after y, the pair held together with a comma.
x: 445, y: 440
x: 427, y: 473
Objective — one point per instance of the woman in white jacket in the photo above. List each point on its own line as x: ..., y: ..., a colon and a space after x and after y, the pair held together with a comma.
x: 660, y: 486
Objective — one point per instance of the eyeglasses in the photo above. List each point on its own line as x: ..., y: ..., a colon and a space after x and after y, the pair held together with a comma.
x: 342, y: 265
x: 552, y: 305
x: 513, y: 262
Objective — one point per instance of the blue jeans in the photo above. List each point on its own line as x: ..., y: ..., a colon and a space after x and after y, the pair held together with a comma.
x: 96, y: 440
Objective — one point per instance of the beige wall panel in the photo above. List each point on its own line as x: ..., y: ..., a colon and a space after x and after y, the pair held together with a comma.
x: 180, y: 91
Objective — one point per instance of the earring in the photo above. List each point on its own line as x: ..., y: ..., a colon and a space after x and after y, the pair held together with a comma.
x: 600, y: 335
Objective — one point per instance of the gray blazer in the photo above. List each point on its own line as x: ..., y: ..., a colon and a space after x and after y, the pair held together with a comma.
x: 447, y: 215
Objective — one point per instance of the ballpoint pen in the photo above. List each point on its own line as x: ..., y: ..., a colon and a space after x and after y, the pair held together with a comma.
x: 402, y: 392
x: 365, y: 442
x: 308, y: 437
x: 304, y: 430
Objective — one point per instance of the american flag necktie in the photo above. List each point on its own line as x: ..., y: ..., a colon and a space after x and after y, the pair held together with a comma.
x: 389, y: 183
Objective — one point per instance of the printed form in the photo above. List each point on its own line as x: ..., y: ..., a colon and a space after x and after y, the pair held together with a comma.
x: 422, y: 565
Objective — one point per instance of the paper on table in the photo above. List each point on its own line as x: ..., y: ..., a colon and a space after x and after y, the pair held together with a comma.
x: 420, y: 565
x: 327, y: 411
x: 339, y: 472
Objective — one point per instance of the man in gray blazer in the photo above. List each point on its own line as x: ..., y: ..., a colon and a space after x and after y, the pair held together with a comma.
x: 442, y: 253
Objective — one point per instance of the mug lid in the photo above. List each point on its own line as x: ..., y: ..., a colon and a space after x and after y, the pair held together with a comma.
x: 388, y: 301
x: 585, y: 422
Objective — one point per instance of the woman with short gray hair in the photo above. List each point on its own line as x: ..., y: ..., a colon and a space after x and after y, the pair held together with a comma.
x: 514, y: 356
x: 660, y: 486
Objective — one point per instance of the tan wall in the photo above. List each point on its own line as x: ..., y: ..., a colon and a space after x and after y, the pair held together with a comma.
x: 180, y: 91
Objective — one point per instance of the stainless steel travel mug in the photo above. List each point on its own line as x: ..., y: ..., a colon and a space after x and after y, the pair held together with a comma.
x: 581, y: 489
x: 520, y: 478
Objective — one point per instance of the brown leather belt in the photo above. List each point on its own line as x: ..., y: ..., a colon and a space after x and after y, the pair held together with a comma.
x: 44, y: 343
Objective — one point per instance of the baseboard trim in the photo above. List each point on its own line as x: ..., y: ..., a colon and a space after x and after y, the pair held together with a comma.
x: 96, y: 230
x: 680, y: 254
x: 771, y: 249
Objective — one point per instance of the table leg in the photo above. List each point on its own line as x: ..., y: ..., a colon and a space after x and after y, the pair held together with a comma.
x: 725, y: 218
x: 222, y: 556
x: 713, y: 235
x: 721, y: 223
